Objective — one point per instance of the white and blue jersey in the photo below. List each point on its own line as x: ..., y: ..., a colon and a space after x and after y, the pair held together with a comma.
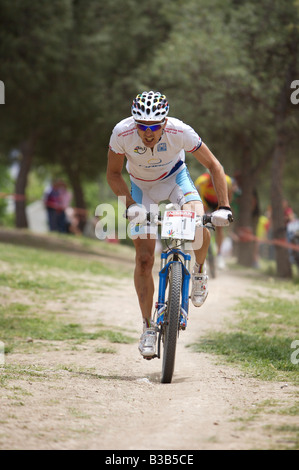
x: 151, y: 165
x: 160, y: 173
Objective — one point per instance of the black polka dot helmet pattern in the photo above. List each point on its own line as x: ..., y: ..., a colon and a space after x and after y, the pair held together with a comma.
x: 150, y: 106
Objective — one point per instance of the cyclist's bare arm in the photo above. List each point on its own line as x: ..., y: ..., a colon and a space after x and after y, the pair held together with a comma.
x: 207, y: 159
x: 115, y: 179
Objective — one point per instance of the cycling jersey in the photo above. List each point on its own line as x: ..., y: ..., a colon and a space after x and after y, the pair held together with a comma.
x: 160, y: 173
x: 207, y: 191
x: 165, y: 159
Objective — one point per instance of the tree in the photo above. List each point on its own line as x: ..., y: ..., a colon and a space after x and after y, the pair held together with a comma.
x: 283, y: 135
x: 31, y: 53
x: 226, y: 69
x: 78, y: 60
x: 97, y: 83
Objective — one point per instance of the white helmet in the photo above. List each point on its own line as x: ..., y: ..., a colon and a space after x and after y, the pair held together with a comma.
x: 150, y: 106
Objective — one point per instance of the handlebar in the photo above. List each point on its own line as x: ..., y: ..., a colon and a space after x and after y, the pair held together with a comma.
x: 204, y: 220
x: 201, y: 220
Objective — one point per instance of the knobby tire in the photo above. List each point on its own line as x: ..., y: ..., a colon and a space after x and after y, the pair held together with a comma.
x: 171, y: 326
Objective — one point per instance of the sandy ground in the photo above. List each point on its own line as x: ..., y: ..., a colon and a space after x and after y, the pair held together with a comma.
x: 79, y: 398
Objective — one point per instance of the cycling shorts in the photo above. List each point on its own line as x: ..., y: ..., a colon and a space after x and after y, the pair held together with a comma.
x: 178, y: 189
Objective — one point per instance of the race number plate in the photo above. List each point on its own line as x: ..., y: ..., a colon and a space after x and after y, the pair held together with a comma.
x: 179, y: 225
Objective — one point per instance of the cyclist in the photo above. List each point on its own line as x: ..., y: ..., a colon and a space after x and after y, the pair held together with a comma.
x: 204, y: 185
x: 154, y: 147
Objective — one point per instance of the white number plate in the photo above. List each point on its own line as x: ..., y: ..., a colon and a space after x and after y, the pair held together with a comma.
x: 179, y: 225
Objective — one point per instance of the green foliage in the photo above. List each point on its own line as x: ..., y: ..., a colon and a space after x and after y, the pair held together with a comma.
x: 72, y: 76
x: 224, y: 68
x: 71, y: 69
x: 32, y: 48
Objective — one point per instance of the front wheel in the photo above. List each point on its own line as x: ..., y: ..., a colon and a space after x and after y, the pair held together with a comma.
x: 171, y: 321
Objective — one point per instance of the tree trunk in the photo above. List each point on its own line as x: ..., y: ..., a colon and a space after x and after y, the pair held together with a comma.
x: 283, y: 265
x: 27, y: 149
x: 245, y: 225
x: 79, y: 199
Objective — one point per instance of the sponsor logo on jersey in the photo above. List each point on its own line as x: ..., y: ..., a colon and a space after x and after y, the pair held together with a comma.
x: 140, y: 150
x: 162, y: 147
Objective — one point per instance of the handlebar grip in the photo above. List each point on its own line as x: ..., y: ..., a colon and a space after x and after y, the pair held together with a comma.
x: 207, y: 219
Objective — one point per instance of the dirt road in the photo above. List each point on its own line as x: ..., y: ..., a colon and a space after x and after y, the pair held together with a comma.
x: 79, y: 398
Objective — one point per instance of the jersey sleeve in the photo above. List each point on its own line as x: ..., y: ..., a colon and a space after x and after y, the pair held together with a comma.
x: 116, y: 141
x: 192, y: 141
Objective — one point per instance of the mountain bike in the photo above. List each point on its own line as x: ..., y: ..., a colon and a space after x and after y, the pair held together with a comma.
x: 171, y: 309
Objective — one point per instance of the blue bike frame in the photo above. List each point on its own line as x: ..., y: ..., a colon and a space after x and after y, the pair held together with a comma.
x: 175, y: 256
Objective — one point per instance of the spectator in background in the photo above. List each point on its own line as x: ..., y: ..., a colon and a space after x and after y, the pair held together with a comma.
x: 250, y: 229
x: 51, y: 201
x: 262, y: 234
x: 288, y: 212
x: 73, y: 221
x: 57, y: 200
x: 205, y: 186
x: 64, y: 201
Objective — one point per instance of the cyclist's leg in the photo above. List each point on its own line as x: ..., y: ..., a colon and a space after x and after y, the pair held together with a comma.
x: 144, y: 239
x: 143, y: 278
x: 186, y: 196
x: 202, y: 236
x: 200, y: 247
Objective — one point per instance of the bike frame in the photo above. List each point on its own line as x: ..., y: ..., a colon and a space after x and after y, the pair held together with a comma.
x: 173, y: 255
x: 168, y: 257
x: 172, y: 317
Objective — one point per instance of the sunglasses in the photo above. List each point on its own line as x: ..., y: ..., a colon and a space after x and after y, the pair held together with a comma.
x: 153, y: 127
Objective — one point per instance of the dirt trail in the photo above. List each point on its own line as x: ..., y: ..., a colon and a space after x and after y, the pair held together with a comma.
x: 116, y: 401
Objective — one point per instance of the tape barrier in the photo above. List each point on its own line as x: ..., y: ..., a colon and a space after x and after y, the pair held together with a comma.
x: 22, y: 197
x: 245, y: 235
x: 16, y: 197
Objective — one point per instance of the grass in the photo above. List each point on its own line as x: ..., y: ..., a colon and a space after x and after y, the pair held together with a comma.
x: 38, y: 289
x: 20, y: 257
x: 31, y: 279
x: 18, y: 324
x: 263, y: 342
x: 47, y: 273
x: 51, y: 328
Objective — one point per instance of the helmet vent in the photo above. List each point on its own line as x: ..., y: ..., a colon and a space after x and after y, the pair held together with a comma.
x: 150, y: 106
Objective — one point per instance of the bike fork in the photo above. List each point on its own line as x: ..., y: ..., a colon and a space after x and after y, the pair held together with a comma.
x: 161, y: 305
